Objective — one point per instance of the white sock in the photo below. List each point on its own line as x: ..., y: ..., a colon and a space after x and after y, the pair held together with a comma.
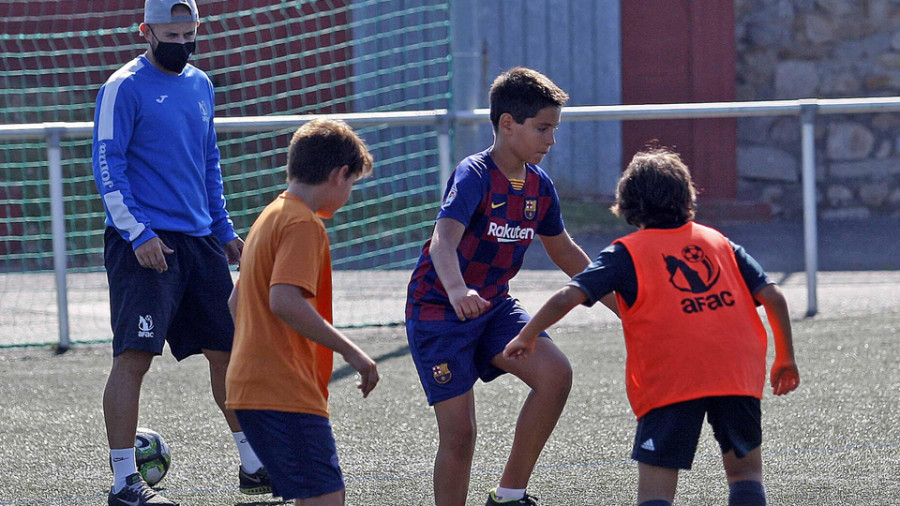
x: 509, y: 494
x: 123, y: 466
x: 249, y: 461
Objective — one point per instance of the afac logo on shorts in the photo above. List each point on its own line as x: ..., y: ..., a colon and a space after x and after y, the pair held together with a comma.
x: 442, y: 373
x: 145, y: 326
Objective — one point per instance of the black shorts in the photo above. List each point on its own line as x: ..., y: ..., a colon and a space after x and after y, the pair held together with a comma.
x: 187, y: 305
x: 668, y: 436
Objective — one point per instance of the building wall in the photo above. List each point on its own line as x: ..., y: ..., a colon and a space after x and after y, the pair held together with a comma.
x: 789, y: 49
x: 577, y: 44
x: 689, y: 58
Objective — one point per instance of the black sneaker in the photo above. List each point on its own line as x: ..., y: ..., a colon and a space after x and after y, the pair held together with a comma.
x: 528, y: 500
x: 136, y: 492
x: 256, y: 483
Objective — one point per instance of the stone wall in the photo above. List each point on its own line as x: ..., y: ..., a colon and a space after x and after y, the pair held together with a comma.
x: 790, y: 49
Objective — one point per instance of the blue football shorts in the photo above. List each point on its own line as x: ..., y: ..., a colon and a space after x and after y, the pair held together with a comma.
x: 297, y: 449
x: 187, y: 305
x: 451, y: 356
x: 668, y: 436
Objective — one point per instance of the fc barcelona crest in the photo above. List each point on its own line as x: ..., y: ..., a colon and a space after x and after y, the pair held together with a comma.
x: 442, y: 373
x: 530, y: 208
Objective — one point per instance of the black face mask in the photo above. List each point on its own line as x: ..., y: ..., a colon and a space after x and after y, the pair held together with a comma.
x: 172, y: 55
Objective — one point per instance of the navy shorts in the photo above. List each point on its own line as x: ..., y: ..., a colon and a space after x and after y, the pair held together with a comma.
x: 668, y: 436
x: 451, y: 356
x: 297, y: 449
x: 187, y: 305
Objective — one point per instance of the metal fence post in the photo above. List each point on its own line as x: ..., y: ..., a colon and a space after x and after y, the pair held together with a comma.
x: 465, y: 80
x: 58, y: 225
x: 810, y: 234
x: 444, y: 153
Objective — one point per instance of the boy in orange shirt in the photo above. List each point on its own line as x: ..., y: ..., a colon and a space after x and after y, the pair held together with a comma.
x: 696, y: 346
x: 277, y: 381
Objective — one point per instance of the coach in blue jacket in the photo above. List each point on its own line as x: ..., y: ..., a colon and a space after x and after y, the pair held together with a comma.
x: 169, y: 238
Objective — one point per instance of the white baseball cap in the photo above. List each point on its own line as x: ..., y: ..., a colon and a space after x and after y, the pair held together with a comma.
x: 160, y: 11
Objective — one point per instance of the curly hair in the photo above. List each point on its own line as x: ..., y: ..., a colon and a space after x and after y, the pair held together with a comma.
x: 322, y: 145
x: 656, y: 190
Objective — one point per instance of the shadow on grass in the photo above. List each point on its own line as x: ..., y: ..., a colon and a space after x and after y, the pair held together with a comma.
x: 346, y: 370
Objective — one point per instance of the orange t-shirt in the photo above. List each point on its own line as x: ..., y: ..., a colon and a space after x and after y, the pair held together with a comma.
x: 693, y: 330
x: 272, y: 366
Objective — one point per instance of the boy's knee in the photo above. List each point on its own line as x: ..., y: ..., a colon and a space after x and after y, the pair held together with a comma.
x: 561, y: 377
x: 459, y: 439
x: 747, y: 468
x: 567, y: 377
x: 460, y: 434
x: 558, y: 371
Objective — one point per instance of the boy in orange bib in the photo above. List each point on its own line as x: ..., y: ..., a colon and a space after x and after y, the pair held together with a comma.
x: 696, y: 346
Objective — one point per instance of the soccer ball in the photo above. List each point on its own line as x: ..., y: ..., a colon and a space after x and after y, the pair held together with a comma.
x: 692, y: 253
x: 152, y: 455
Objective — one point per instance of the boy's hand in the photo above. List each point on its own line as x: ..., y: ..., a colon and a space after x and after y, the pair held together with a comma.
x: 367, y: 370
x: 785, y: 377
x: 468, y: 304
x: 519, y: 348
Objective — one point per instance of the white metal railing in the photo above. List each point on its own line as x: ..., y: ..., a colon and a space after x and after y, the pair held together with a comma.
x: 442, y: 119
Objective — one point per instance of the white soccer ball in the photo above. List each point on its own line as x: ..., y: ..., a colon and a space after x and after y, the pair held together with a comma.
x: 152, y: 455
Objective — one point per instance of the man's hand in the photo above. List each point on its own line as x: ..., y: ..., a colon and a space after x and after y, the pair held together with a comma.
x: 233, y: 251
x: 152, y: 255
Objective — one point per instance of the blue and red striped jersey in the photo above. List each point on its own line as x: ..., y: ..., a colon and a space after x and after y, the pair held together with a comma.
x: 501, y: 219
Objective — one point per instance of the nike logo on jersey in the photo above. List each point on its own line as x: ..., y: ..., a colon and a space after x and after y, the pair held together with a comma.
x: 161, y: 99
x: 499, y: 204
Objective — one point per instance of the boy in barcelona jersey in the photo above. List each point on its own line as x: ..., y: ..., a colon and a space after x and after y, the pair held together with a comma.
x: 459, y: 313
